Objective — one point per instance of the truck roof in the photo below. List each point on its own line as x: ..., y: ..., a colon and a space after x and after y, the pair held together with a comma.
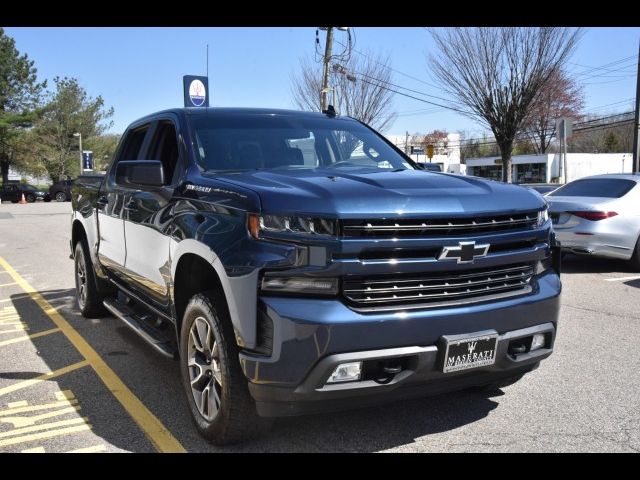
x: 232, y: 111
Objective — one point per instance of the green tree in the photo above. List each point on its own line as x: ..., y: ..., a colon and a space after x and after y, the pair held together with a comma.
x: 70, y: 110
x: 103, y: 148
x: 20, y: 95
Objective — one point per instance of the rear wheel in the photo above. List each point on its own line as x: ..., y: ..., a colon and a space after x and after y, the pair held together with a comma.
x: 216, y: 388
x: 61, y: 197
x: 634, y: 262
x: 87, y: 295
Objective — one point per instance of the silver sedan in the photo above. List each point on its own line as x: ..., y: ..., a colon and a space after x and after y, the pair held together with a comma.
x: 599, y: 215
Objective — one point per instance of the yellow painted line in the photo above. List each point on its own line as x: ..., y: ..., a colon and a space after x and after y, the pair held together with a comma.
x: 42, y: 435
x: 29, y: 337
x: 34, y: 450
x: 15, y: 297
x: 23, y: 407
x: 8, y: 284
x: 16, y: 328
x: 45, y: 426
x: 93, y: 449
x: 19, y: 422
x: 42, y: 378
x: 156, y: 432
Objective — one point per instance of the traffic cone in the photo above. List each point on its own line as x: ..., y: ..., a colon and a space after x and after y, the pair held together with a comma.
x: 22, y: 200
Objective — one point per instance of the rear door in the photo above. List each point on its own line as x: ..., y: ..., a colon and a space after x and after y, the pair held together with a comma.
x: 148, y: 220
x: 112, y: 248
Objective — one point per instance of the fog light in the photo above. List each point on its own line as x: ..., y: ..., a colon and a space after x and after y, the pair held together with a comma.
x: 346, y: 372
x: 538, y: 342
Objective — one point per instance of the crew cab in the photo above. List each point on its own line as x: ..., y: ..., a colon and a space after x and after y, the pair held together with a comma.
x: 297, y: 262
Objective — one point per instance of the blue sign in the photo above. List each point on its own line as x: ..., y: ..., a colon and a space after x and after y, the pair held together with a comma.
x: 196, y: 91
x: 87, y: 160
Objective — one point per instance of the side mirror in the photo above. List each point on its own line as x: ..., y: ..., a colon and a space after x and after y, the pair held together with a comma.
x: 140, y: 173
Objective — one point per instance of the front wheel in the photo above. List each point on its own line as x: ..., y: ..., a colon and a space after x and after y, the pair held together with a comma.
x: 30, y: 198
x: 87, y: 295
x: 216, y: 388
x: 61, y: 197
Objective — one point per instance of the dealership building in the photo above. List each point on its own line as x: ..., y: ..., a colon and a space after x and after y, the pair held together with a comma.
x: 546, y: 168
x: 446, y: 152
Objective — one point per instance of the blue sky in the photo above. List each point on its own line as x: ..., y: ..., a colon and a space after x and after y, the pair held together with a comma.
x: 139, y: 70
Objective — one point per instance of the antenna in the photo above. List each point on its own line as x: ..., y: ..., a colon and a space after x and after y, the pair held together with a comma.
x: 207, y: 60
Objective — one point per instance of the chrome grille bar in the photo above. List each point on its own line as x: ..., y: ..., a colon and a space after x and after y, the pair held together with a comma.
x: 434, y: 288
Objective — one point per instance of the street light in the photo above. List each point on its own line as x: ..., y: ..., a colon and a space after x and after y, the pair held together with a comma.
x: 79, y: 135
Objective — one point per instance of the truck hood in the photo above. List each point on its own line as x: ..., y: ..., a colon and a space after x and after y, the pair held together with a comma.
x: 339, y: 194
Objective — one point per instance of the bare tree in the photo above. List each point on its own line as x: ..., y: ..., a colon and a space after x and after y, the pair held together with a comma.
x: 358, y: 88
x: 560, y: 97
x: 495, y: 73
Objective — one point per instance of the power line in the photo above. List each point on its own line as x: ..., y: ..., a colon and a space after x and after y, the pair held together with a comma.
x: 411, y: 96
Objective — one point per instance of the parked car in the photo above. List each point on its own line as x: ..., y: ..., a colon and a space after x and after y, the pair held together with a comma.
x: 541, y: 188
x: 13, y: 192
x: 599, y: 215
x: 61, y: 191
x: 292, y: 280
x: 429, y: 167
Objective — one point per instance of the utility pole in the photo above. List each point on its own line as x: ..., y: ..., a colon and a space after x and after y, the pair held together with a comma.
x: 406, y: 143
x: 325, y: 70
x: 636, y: 123
x: 564, y: 149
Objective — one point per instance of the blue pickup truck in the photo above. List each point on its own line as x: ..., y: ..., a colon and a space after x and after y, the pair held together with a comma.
x: 297, y: 262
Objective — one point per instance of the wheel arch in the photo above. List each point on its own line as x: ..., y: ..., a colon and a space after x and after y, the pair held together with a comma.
x: 196, y: 268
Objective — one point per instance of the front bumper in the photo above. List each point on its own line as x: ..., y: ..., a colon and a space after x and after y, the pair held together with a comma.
x: 310, y: 337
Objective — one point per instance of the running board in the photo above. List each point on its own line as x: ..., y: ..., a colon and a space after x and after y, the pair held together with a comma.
x: 145, y: 331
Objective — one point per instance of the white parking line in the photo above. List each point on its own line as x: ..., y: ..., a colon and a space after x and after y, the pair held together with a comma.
x: 622, y: 279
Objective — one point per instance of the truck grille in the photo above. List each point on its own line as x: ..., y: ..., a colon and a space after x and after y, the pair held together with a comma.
x: 437, y: 226
x: 437, y: 289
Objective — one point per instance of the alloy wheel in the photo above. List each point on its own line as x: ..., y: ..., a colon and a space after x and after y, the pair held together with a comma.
x: 81, y: 280
x: 205, y: 374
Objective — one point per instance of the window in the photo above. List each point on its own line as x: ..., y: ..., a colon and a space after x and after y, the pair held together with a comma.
x: 595, y: 187
x: 133, y: 144
x: 164, y: 147
x: 287, y: 142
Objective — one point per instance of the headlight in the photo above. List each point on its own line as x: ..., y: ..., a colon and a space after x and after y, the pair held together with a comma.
x: 302, y: 285
x: 290, y: 224
x: 543, y: 216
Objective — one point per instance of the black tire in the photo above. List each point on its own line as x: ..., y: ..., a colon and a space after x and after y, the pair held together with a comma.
x: 30, y: 198
x: 60, y: 197
x: 88, y: 297
x: 493, y: 387
x: 634, y: 262
x: 232, y: 417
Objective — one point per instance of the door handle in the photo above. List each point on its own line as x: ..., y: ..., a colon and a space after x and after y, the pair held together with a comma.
x: 131, y: 206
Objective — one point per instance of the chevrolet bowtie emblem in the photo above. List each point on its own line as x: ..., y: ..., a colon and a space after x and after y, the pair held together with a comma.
x: 465, y: 252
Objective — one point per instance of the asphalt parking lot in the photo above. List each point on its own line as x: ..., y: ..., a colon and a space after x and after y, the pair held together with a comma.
x: 71, y: 384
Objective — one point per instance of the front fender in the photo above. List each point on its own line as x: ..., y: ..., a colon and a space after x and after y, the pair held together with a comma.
x: 241, y: 292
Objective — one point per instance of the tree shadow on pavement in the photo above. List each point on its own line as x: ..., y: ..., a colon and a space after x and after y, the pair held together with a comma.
x: 364, y: 430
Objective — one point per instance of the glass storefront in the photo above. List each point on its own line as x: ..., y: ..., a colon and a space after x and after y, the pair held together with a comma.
x: 531, y: 173
x: 492, y: 172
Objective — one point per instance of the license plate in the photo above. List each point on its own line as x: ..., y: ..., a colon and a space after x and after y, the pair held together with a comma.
x: 469, y: 352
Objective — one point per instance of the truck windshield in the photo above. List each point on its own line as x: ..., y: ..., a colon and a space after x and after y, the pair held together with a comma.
x: 261, y: 142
